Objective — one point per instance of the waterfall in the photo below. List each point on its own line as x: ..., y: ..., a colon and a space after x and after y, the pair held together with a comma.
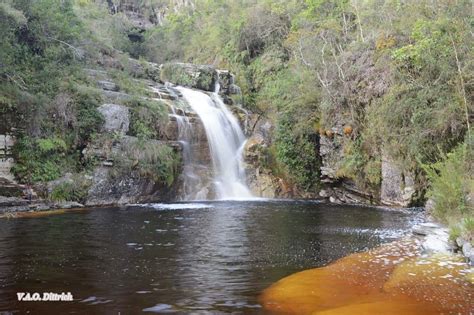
x: 226, y: 141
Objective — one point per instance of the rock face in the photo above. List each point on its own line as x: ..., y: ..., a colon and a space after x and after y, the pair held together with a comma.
x: 261, y: 182
x: 195, y: 76
x: 118, y: 180
x: 397, y: 188
x: 107, y: 190
x: 260, y: 179
x: 331, y: 152
x: 338, y: 189
x: 6, y: 159
x: 107, y: 85
x: 227, y: 86
x: 117, y: 118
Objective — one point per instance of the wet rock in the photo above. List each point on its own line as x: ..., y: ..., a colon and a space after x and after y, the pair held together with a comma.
x: 117, y: 118
x: 9, y: 188
x: 68, y: 205
x: 143, y: 69
x: 12, y: 202
x: 107, y: 85
x: 118, y: 179
x: 437, y: 242
x: 163, y: 92
x: 426, y: 228
x: 195, y: 76
x: 227, y: 83
x: 324, y: 193
x: 460, y: 242
x: 331, y: 152
x: 430, y: 205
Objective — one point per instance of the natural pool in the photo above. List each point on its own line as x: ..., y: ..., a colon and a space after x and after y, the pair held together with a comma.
x: 207, y: 257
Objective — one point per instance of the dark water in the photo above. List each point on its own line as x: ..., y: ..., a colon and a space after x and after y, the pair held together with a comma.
x: 214, y: 258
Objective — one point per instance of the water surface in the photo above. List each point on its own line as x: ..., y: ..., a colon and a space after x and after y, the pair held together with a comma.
x: 200, y: 257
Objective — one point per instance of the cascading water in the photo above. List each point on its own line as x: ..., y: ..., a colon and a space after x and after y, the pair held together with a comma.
x: 226, y: 141
x: 191, y: 181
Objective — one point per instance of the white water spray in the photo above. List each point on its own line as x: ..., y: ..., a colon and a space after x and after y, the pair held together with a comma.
x: 226, y: 141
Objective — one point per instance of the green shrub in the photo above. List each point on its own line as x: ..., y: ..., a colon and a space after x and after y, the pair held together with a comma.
x: 150, y: 159
x: 70, y: 191
x: 451, y: 185
x: 358, y: 165
x: 51, y: 145
x: 147, y: 118
x: 88, y: 119
x: 451, y: 182
x: 41, y: 160
x: 129, y: 85
x: 297, y: 151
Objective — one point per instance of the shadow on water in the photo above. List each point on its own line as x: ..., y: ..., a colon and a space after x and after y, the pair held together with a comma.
x: 206, y: 256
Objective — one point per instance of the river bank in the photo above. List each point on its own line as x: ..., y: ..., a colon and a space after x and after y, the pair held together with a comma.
x: 422, y: 273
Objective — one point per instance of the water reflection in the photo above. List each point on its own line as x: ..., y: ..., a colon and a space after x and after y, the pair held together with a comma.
x: 214, y: 257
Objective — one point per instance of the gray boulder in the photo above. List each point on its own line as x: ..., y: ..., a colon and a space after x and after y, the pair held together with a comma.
x: 117, y: 118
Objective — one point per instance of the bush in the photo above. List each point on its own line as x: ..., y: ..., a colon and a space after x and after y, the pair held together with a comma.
x: 358, y: 165
x: 149, y: 159
x: 297, y: 151
x: 71, y: 191
x: 41, y: 160
x: 452, y: 184
x: 88, y: 119
x: 146, y: 118
x: 451, y: 181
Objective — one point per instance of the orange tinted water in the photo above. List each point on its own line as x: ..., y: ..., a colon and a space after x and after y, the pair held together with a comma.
x: 391, y: 279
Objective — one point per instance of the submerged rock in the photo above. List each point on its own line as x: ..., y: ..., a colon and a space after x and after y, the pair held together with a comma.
x: 391, y: 279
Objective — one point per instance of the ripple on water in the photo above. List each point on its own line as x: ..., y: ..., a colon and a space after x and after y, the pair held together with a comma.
x: 175, y: 206
x: 160, y: 308
x: 392, y: 279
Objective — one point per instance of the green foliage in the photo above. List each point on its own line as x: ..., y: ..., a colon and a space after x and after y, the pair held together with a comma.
x: 179, y: 74
x: 75, y: 190
x: 128, y: 84
x: 147, y: 118
x: 176, y: 73
x: 296, y: 150
x: 88, y: 118
x: 51, y: 145
x: 452, y: 183
x: 358, y: 165
x: 152, y: 160
x: 41, y: 160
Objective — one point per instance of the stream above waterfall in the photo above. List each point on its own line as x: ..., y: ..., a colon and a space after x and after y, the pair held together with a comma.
x: 185, y: 257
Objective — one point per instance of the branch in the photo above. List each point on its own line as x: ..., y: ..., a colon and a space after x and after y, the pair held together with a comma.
x: 76, y: 51
x: 462, y: 88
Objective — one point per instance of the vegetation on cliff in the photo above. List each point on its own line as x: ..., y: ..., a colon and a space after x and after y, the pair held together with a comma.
x: 397, y: 76
x: 46, y: 47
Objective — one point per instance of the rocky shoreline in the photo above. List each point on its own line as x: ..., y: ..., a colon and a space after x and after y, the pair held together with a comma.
x: 435, y: 239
